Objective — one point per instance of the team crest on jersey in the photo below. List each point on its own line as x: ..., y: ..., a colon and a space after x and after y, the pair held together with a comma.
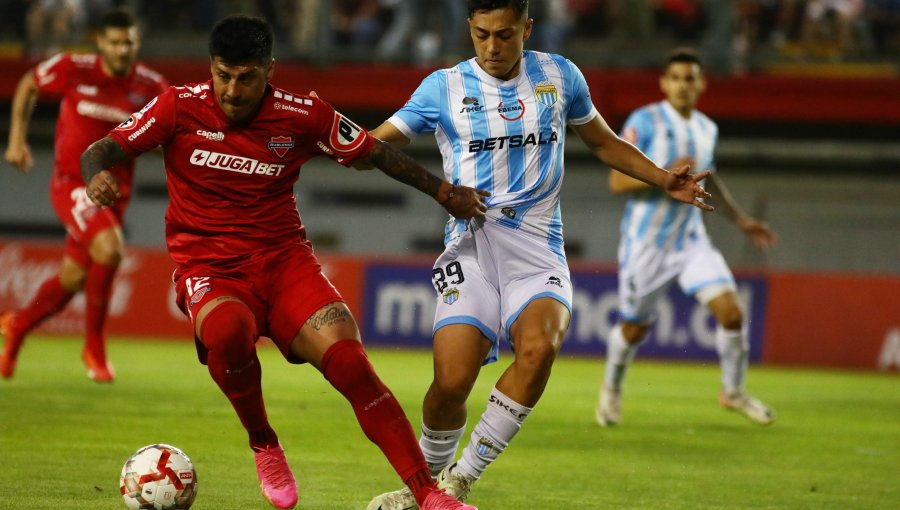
x: 451, y: 296
x: 546, y: 93
x: 345, y: 136
x: 511, y: 112
x: 280, y: 145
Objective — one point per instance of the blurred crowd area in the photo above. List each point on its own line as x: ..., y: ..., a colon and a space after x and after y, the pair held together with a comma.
x: 738, y: 35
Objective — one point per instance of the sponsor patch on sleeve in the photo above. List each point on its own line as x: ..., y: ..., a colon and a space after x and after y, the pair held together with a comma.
x: 346, y: 137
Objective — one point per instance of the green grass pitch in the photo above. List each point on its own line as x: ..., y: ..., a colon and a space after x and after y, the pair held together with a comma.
x: 836, y: 444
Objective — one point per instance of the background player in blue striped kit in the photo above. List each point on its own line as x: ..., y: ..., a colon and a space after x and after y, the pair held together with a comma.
x: 500, y: 122
x: 662, y: 241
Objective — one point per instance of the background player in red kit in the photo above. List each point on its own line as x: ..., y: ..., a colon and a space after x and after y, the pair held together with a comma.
x: 233, y: 150
x: 98, y: 92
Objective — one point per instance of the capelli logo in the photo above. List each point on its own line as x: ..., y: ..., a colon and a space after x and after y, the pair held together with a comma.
x: 218, y: 136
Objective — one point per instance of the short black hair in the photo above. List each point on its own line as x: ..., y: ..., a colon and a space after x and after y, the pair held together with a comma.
x: 119, y: 17
x: 520, y: 7
x: 684, y: 55
x: 238, y: 39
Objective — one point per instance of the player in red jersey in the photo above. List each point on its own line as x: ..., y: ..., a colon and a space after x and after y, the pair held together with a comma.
x: 98, y: 92
x: 233, y: 150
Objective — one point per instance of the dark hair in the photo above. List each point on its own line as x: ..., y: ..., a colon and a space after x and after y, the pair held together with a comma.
x: 520, y: 7
x: 119, y: 17
x: 685, y: 56
x: 239, y: 39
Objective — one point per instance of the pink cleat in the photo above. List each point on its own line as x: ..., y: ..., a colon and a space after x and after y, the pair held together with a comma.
x: 98, y: 368
x: 275, y: 477
x: 437, y: 499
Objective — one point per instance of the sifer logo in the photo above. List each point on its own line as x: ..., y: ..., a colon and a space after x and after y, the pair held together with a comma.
x: 281, y: 145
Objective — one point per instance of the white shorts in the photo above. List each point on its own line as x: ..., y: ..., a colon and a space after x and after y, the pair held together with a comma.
x: 490, y: 273
x: 646, y: 271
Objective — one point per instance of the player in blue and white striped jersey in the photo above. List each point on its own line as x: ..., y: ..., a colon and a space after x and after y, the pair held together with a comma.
x: 500, y: 122
x: 664, y: 240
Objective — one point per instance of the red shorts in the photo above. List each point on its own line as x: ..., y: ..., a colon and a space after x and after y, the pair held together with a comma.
x: 82, y: 219
x: 283, y: 288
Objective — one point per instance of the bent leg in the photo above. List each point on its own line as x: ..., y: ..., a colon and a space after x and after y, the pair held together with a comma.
x: 537, y: 336
x: 106, y: 249
x: 731, y: 341
x: 329, y: 340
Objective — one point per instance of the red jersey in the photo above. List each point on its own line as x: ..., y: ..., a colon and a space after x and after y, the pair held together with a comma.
x: 231, y: 187
x: 93, y: 102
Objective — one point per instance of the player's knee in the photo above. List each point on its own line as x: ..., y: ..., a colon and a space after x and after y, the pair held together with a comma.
x: 536, y: 353
x: 451, y: 388
x: 732, y: 318
x: 633, y: 332
x: 106, y: 252
x: 229, y: 330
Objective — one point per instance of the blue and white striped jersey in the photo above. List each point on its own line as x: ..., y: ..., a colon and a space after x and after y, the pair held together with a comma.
x: 661, y: 133
x: 506, y: 137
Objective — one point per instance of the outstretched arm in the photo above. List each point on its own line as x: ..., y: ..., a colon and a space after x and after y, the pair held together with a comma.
x: 759, y: 233
x: 102, y: 186
x: 461, y: 201
x: 18, y: 153
x: 624, y: 157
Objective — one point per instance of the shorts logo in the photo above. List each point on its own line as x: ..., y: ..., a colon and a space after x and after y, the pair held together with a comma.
x: 546, y: 93
x: 450, y: 296
x: 484, y: 446
x: 281, y: 145
x: 511, y: 112
x: 346, y: 136
x: 554, y: 280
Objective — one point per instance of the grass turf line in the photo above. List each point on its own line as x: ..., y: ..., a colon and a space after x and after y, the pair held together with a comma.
x: 836, y: 444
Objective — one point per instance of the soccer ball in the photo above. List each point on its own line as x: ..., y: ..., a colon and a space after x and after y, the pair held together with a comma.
x: 158, y: 477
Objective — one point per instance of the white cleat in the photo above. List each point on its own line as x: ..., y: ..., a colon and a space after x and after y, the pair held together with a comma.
x: 609, y: 410
x: 749, y: 406
x: 402, y: 499
x: 456, y: 484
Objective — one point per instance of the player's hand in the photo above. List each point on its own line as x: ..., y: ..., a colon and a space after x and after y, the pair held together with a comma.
x: 19, y: 156
x: 462, y: 202
x: 103, y: 190
x: 759, y: 233
x: 685, y: 187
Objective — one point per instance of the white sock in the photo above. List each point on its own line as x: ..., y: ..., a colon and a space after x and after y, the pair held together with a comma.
x: 439, y: 447
x: 500, y: 422
x: 734, y: 349
x: 619, y: 355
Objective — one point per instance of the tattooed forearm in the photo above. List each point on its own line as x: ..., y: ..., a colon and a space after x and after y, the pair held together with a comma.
x: 329, y: 317
x: 403, y: 168
x: 101, y: 155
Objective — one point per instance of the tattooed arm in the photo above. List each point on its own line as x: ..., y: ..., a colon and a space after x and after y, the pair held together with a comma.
x: 460, y: 201
x: 102, y: 186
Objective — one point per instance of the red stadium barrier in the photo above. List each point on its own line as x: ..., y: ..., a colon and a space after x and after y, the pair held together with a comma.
x: 822, y: 320
x: 833, y: 320
x: 857, y: 100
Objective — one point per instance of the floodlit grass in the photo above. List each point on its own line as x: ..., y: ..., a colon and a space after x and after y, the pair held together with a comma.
x: 836, y: 444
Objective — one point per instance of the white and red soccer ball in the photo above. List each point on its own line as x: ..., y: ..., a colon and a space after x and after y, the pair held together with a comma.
x: 158, y: 477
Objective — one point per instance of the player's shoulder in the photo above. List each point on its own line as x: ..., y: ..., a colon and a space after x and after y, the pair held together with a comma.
x: 83, y: 60
x: 145, y: 73
x: 190, y: 92
x: 706, y: 120
x: 291, y: 104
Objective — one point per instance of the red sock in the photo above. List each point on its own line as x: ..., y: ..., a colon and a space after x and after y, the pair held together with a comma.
x: 229, y: 332
x: 97, y: 289
x: 347, y: 368
x: 51, y: 297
